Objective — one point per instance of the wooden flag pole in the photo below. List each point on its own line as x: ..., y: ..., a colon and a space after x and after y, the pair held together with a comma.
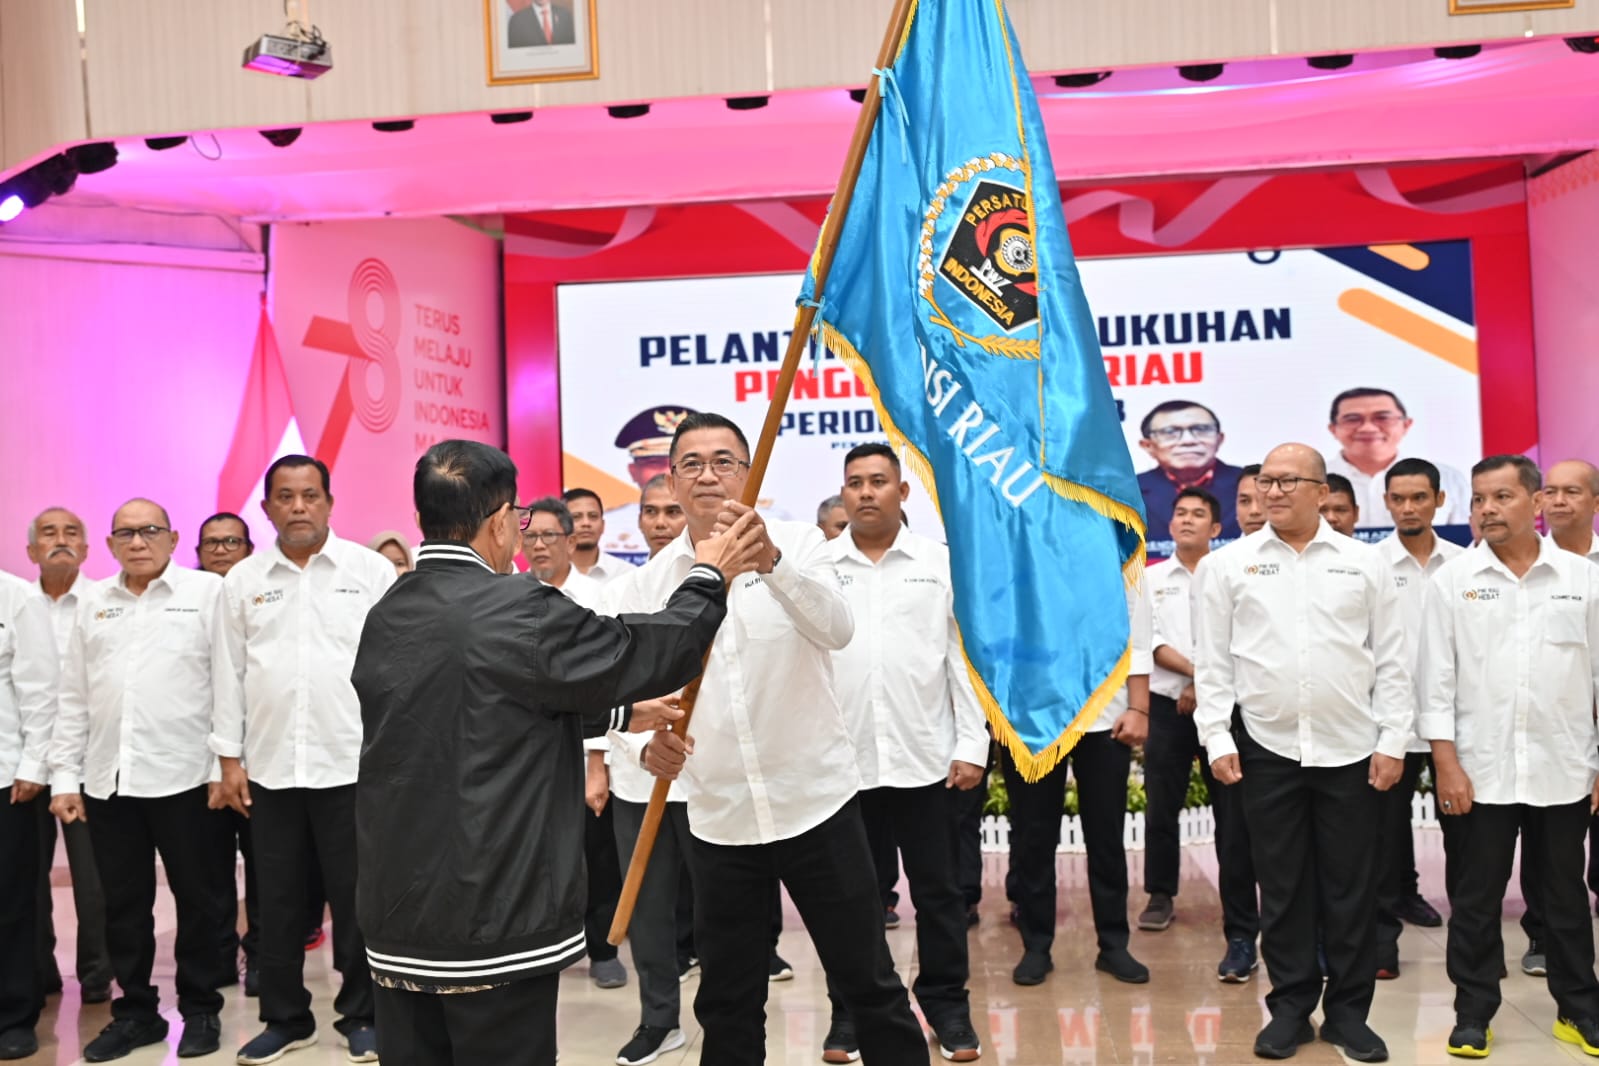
x: 803, y: 320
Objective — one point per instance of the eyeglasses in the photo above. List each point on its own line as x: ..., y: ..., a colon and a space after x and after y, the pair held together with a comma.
x: 1287, y: 484
x: 212, y: 544
x: 1380, y: 419
x: 148, y: 533
x: 524, y: 515
x: 1173, y: 434
x: 723, y: 466
x: 548, y: 536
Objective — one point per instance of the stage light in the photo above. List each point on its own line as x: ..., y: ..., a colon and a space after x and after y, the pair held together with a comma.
x: 1584, y: 45
x: 1334, y: 62
x: 746, y: 103
x: 10, y: 207
x: 628, y: 110
x: 1457, y: 51
x: 858, y: 95
x: 1081, y: 81
x: 300, y: 53
x: 93, y: 158
x: 161, y: 144
x: 1202, y: 71
x: 507, y: 118
x: 398, y: 125
x: 281, y: 138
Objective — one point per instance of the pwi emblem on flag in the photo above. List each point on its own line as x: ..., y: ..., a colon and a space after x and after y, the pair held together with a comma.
x: 980, y: 222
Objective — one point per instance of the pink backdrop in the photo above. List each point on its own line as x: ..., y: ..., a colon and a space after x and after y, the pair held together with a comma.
x: 1563, y: 231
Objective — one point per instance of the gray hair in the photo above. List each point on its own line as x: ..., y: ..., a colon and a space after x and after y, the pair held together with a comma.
x: 33, y: 527
x: 825, y: 508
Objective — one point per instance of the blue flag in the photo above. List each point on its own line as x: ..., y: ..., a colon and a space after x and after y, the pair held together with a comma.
x: 953, y: 294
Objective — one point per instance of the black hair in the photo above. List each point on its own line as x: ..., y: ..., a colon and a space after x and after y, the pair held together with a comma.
x: 1337, y: 483
x: 291, y: 462
x: 1192, y: 493
x: 1167, y: 408
x: 460, y: 484
x: 551, y: 505
x: 1414, y: 468
x: 571, y: 496
x: 1363, y: 394
x: 229, y: 516
x: 1526, y: 470
x: 866, y: 451
x: 707, y: 420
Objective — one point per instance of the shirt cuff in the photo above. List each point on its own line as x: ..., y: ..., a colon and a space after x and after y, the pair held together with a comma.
x: 33, y: 770
x: 1436, y: 727
x: 1393, y: 743
x: 1221, y: 745
x: 227, y: 749
x: 974, y: 751
x: 65, y: 781
x: 596, y: 744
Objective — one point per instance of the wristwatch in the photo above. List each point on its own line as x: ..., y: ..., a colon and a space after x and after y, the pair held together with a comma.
x: 777, y: 556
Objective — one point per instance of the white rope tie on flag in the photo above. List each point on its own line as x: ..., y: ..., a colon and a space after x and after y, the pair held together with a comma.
x: 888, y: 86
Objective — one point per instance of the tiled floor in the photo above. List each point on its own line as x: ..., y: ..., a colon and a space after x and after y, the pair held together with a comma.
x: 1182, y: 1016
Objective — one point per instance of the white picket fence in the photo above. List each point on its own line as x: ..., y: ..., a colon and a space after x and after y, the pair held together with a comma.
x: 1195, y: 825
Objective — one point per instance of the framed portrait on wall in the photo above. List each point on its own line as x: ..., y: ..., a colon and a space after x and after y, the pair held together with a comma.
x: 540, y: 40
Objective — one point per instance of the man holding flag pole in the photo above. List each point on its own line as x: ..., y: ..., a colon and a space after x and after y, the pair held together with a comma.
x: 950, y: 289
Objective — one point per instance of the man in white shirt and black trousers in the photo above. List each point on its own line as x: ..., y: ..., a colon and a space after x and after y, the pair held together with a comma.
x: 28, y: 674
x: 130, y: 757
x: 476, y: 688
x: 1300, y: 627
x: 1413, y: 553
x: 771, y: 788
x: 1173, y: 743
x: 1101, y: 761
x: 1509, y: 670
x: 288, y: 731
x: 919, y: 731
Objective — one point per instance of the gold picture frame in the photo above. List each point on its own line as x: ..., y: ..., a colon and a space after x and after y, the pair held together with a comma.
x: 1502, y: 7
x: 540, y: 40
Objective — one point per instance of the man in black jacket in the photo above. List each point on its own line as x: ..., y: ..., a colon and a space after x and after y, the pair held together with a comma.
x: 476, y: 690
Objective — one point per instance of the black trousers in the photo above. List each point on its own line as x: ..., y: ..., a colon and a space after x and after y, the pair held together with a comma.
x: 605, y: 882
x: 1478, y: 849
x: 237, y: 842
x: 514, y: 1023
x: 1314, y: 834
x: 885, y: 853
x: 829, y: 875
x: 1169, y: 753
x: 284, y: 824
x: 21, y: 996
x: 969, y: 840
x: 1101, y: 764
x: 922, y: 822
x: 128, y: 833
x: 653, y: 932
x: 1396, y: 858
x: 88, y: 902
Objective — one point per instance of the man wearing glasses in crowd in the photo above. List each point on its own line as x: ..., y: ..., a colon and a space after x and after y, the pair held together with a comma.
x: 1370, y: 424
x: 1183, y: 438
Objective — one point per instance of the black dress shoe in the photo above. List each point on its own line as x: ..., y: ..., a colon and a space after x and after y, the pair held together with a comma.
x: 1120, y: 964
x: 252, y: 981
x: 18, y: 1043
x: 1356, y: 1040
x: 1419, y: 912
x: 1282, y: 1036
x: 124, y: 1036
x: 202, y: 1035
x: 1035, y: 965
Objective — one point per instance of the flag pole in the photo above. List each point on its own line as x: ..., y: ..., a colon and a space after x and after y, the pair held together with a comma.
x: 804, y: 318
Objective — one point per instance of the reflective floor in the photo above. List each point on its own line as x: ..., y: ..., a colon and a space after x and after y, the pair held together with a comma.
x: 1184, y: 1015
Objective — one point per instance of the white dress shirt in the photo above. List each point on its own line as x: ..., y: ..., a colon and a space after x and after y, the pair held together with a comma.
x: 63, y: 612
x: 1371, y: 493
x: 1171, y: 586
x: 1410, y: 581
x: 29, y: 669
x: 582, y: 589
x: 1592, y: 554
x: 1509, y: 668
x: 772, y: 756
x: 286, y: 647
x: 902, y: 679
x: 1310, y: 644
x: 1142, y: 662
x: 136, y: 690
x: 607, y: 567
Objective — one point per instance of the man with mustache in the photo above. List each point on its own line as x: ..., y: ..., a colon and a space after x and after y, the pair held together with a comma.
x: 1509, y: 670
x: 57, y: 545
x: 1183, y: 437
x: 288, y: 734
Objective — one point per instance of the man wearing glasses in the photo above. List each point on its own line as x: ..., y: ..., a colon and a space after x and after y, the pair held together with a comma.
x: 1369, y: 425
x: 288, y: 731
x: 130, y: 757
x: 1183, y: 438
x: 771, y: 786
x: 1301, y: 628
x: 224, y: 541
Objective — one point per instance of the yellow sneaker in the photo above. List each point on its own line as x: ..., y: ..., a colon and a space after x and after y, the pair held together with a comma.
x: 1584, y: 1032
x: 1470, y: 1039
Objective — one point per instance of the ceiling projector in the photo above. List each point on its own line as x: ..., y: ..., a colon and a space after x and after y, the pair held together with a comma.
x: 293, y: 57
